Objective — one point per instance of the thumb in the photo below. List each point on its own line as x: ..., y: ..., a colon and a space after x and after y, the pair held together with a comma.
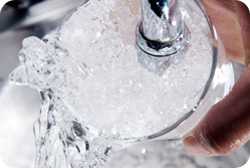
x: 227, y: 124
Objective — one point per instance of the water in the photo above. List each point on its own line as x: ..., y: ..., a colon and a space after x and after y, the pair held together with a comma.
x: 97, y: 95
x: 157, y: 154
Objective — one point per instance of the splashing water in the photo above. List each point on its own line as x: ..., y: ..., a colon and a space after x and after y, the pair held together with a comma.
x: 96, y: 94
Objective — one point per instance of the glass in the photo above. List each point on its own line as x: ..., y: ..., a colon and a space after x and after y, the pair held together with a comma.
x: 105, y: 85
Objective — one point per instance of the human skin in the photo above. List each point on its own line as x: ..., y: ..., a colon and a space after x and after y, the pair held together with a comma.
x: 227, y: 125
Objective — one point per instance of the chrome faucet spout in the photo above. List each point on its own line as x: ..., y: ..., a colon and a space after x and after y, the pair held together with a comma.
x: 160, y: 20
x: 162, y: 27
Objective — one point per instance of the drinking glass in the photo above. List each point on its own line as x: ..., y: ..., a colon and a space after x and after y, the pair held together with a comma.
x: 114, y: 75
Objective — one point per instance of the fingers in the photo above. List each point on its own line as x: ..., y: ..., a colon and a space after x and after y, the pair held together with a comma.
x: 244, y: 20
x: 226, y: 126
x: 231, y: 19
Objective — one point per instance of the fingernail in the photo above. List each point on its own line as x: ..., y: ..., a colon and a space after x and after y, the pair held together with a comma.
x: 195, y: 146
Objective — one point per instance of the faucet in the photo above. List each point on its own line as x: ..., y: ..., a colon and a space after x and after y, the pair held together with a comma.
x: 162, y: 31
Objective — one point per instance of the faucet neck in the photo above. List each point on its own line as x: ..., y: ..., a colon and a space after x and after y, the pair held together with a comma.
x: 161, y: 27
x: 161, y: 20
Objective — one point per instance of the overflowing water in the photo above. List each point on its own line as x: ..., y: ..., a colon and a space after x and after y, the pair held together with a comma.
x: 97, y: 94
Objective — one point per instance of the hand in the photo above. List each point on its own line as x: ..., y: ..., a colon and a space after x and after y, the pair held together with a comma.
x: 227, y: 125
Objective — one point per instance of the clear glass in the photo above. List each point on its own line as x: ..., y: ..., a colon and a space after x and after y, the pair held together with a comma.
x: 100, y: 93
